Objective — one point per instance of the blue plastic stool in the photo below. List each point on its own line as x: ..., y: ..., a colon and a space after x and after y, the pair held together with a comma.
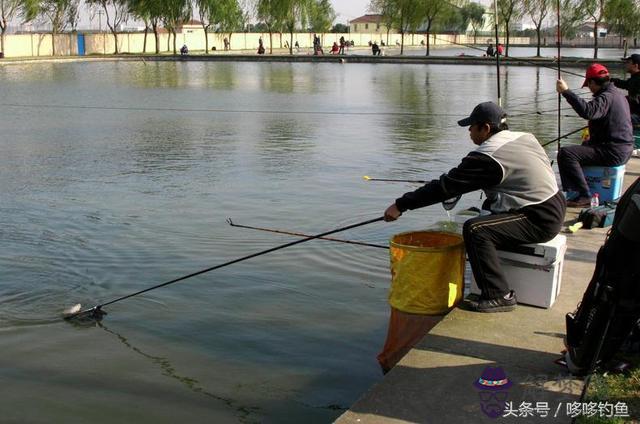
x: 606, y: 181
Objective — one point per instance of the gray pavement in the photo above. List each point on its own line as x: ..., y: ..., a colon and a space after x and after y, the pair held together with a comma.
x: 433, y: 382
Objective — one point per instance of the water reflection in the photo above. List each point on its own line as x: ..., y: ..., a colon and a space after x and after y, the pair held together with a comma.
x: 285, y: 145
x: 152, y: 74
x: 163, y: 145
x: 222, y: 76
x: 419, y: 129
x: 286, y: 78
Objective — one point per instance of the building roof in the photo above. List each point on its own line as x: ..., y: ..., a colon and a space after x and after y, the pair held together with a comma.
x: 367, y: 19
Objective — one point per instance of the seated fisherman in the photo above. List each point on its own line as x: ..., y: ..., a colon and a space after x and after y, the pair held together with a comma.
x: 632, y: 85
x: 515, y: 173
x: 610, y: 140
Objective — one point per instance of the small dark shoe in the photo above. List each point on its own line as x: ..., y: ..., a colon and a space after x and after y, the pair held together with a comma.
x: 580, y: 202
x: 500, y: 304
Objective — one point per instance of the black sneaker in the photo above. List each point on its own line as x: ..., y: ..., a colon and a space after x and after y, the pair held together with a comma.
x: 500, y: 304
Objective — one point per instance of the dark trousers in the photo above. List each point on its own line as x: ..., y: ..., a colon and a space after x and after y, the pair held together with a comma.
x: 571, y: 159
x: 484, y: 235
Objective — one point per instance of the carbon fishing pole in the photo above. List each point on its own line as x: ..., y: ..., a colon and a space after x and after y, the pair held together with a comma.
x: 368, y: 178
x: 291, y: 233
x: 564, y: 136
x: 510, y: 58
x: 97, y: 313
x: 559, y: 76
x: 495, y: 11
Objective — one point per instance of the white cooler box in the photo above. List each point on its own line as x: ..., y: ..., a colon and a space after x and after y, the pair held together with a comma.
x: 534, y: 271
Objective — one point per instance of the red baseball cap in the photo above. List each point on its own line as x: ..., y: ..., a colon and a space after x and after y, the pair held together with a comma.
x: 595, y: 71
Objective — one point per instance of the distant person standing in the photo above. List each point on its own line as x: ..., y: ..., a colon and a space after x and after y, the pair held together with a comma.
x: 317, y: 46
x: 226, y: 43
x: 342, y: 43
x: 500, y: 50
x: 490, y: 51
x: 375, y: 49
x: 260, y: 46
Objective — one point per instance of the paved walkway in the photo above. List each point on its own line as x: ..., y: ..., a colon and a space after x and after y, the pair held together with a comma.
x: 433, y: 382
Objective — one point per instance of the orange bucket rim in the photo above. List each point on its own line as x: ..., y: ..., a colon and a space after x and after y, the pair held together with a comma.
x: 457, y: 244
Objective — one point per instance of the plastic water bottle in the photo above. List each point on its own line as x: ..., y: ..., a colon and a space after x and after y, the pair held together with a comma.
x: 595, y: 200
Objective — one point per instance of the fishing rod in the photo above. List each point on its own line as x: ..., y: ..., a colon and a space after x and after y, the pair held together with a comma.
x: 495, y: 11
x: 291, y: 233
x: 510, y: 58
x: 559, y: 76
x: 522, y: 106
x: 368, y: 178
x: 97, y: 313
x: 564, y: 136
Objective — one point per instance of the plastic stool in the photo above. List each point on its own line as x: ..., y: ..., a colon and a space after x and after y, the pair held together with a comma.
x: 605, y: 180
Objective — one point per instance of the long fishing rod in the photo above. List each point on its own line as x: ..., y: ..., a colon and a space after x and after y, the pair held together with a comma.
x: 368, y: 178
x: 495, y: 11
x: 510, y: 58
x: 559, y: 77
x: 97, y: 313
x: 291, y: 233
x: 564, y: 136
x: 523, y: 106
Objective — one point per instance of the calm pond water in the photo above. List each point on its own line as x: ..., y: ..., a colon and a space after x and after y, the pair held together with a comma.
x: 119, y: 176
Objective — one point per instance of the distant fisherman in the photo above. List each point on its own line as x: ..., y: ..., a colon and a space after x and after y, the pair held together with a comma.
x: 522, y: 194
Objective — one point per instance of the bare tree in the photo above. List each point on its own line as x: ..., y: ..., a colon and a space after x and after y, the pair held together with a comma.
x: 116, y: 12
x: 508, y: 10
x: 9, y: 9
x: 594, y: 9
x: 537, y: 10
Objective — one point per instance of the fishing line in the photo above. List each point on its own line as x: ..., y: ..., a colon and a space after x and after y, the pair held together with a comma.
x: 291, y: 233
x: 238, y: 111
x: 543, y: 98
x: 511, y: 58
x: 96, y: 313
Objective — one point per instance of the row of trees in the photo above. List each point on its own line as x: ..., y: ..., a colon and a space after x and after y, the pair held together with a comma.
x: 410, y: 16
x: 218, y: 16
x: 286, y: 16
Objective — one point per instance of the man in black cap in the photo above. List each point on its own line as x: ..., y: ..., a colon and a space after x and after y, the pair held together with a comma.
x: 632, y: 85
x: 522, y: 194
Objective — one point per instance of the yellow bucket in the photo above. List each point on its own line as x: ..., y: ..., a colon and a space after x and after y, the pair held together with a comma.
x: 427, y: 272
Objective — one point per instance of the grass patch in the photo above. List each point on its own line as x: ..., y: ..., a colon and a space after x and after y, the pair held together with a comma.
x: 613, y: 388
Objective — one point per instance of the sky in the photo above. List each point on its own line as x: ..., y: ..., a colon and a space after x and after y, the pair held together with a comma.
x: 349, y: 9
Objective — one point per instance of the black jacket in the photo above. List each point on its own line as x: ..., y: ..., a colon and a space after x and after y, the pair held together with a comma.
x: 608, y: 115
x: 632, y: 85
x: 512, y: 169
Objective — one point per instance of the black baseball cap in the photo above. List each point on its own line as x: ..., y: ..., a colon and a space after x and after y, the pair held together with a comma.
x: 634, y: 58
x: 485, y: 113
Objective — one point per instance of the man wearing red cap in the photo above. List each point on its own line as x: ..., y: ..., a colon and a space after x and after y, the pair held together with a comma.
x: 611, y: 135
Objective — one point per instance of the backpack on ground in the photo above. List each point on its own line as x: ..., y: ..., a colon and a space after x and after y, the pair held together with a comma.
x: 610, y: 307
